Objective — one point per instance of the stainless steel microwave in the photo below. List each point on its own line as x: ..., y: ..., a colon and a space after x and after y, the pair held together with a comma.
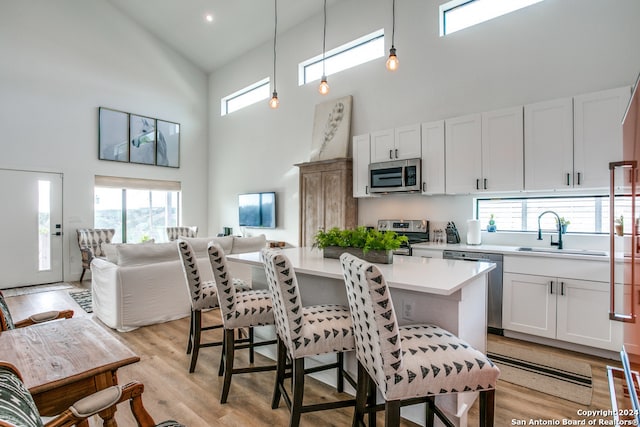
x: 394, y: 176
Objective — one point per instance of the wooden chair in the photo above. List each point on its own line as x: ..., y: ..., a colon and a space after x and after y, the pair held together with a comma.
x: 408, y: 364
x: 238, y: 309
x: 90, y: 241
x: 203, y: 296
x: 303, y: 332
x: 174, y: 233
x: 7, y: 322
x: 18, y: 409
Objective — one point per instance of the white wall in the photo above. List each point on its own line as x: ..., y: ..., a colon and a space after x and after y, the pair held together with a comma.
x: 61, y: 60
x: 553, y: 49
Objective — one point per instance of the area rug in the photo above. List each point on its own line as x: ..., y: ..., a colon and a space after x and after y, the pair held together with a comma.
x: 550, y: 374
x: 34, y: 289
x: 83, y: 298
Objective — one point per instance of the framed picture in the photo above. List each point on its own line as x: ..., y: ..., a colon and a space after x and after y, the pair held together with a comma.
x: 142, y: 137
x: 168, y: 144
x: 113, y: 135
x: 331, y: 129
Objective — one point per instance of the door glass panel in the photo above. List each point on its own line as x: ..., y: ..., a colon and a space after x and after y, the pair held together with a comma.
x: 44, y: 225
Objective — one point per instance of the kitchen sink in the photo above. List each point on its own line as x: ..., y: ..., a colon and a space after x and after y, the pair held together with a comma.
x: 563, y: 251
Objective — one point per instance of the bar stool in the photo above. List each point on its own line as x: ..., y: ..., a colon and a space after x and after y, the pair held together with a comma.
x: 203, y: 296
x: 408, y: 364
x: 304, y: 331
x: 238, y: 309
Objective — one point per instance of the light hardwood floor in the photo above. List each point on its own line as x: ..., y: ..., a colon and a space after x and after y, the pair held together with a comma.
x: 193, y: 399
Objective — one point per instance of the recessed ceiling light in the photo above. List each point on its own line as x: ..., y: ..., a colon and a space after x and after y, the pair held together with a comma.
x: 208, y: 17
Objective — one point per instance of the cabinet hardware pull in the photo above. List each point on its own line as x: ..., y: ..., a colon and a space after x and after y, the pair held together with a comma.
x: 568, y: 178
x: 391, y: 154
x: 579, y: 176
x: 366, y: 189
x: 485, y: 183
x: 551, y: 287
x: 424, y: 186
x: 561, y: 288
x: 477, y: 184
x: 396, y: 153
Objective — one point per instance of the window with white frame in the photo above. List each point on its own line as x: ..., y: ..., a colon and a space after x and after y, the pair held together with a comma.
x: 349, y: 55
x: 586, y: 214
x: 249, y: 95
x: 457, y: 15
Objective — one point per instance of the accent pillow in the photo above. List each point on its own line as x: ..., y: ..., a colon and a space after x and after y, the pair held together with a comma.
x: 139, y: 254
x: 248, y: 244
x: 200, y: 244
x: 110, y: 250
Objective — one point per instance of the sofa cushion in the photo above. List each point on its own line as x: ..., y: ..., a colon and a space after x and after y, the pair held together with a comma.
x: 200, y: 244
x: 248, y: 244
x: 110, y: 250
x: 147, y: 254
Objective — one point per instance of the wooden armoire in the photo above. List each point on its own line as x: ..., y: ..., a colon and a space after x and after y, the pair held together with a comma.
x: 326, y: 197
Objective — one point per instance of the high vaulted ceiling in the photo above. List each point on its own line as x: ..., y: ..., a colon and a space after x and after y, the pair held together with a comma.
x: 237, y: 27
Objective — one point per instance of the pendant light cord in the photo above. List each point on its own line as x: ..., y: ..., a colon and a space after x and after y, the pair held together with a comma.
x: 393, y: 27
x: 275, y: 35
x: 324, y: 36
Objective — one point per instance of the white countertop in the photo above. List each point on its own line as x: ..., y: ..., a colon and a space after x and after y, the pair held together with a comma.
x: 514, y: 250
x: 428, y: 275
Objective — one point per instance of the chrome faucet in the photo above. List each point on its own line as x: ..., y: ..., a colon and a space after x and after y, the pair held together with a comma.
x: 559, y: 242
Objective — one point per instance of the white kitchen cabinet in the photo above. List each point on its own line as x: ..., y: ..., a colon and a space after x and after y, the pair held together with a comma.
x: 571, y: 310
x: 502, y: 150
x: 597, y: 135
x: 433, y: 166
x: 494, y: 138
x: 361, y: 158
x: 548, y: 145
x: 463, y: 138
x: 396, y: 144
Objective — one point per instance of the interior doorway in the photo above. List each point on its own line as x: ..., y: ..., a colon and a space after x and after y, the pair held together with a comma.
x: 32, y: 228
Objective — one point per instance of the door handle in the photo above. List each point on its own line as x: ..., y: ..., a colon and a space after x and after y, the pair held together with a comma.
x: 485, y: 183
x: 477, y: 184
x: 562, y: 288
x: 396, y: 153
x: 391, y: 154
x: 424, y: 186
x: 551, y: 287
x: 568, y: 179
x: 578, y: 178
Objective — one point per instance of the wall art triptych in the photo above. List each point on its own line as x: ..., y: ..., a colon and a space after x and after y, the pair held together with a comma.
x: 127, y: 137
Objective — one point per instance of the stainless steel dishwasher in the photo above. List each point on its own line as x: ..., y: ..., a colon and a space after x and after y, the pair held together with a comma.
x: 494, y: 285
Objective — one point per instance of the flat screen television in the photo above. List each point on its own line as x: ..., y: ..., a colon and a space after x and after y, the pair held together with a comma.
x: 257, y: 210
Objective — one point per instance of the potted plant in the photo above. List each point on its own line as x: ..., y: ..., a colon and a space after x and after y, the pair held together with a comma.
x: 619, y: 226
x: 369, y: 244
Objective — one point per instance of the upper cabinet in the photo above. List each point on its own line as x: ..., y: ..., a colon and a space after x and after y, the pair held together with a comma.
x: 396, y: 144
x: 548, y: 145
x: 494, y: 138
x: 570, y: 142
x: 597, y: 135
x: 361, y: 156
x: 433, y: 164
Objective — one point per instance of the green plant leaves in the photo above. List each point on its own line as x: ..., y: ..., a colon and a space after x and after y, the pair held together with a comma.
x: 360, y: 237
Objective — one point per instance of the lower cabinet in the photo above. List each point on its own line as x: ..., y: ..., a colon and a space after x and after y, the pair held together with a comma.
x: 566, y: 309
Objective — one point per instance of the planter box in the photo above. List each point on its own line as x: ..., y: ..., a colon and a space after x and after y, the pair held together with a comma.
x: 373, y: 256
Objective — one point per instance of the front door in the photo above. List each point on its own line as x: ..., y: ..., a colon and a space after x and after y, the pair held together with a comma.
x: 31, y: 220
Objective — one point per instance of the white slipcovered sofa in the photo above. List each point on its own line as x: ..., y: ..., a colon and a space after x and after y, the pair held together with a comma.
x: 143, y: 284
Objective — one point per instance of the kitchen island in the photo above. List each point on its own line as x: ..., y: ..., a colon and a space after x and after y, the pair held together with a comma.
x: 451, y: 294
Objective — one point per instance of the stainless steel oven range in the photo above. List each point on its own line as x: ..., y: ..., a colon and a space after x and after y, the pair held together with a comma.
x: 417, y: 230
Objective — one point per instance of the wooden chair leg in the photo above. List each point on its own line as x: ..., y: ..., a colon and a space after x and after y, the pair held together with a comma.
x: 372, y: 390
x: 361, y: 396
x: 392, y: 413
x: 82, y: 275
x: 340, y: 371
x: 251, y: 349
x: 190, y: 343
x: 487, y: 407
x: 281, y: 363
x: 197, y: 326
x: 222, y: 356
x: 297, y: 392
x: 229, y: 347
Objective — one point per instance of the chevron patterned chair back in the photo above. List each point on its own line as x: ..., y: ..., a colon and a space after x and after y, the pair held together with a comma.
x: 240, y: 307
x: 304, y: 331
x: 90, y: 241
x: 174, y: 233
x: 409, y: 362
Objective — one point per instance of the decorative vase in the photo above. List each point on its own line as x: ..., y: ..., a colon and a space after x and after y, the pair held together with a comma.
x: 374, y: 256
x: 563, y: 228
x: 619, y: 230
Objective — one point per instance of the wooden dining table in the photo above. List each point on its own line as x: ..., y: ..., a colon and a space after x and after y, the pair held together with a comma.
x: 64, y: 361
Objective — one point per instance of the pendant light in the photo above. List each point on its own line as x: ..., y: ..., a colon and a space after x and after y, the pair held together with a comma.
x: 324, y: 86
x: 392, y: 62
x: 274, y: 102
